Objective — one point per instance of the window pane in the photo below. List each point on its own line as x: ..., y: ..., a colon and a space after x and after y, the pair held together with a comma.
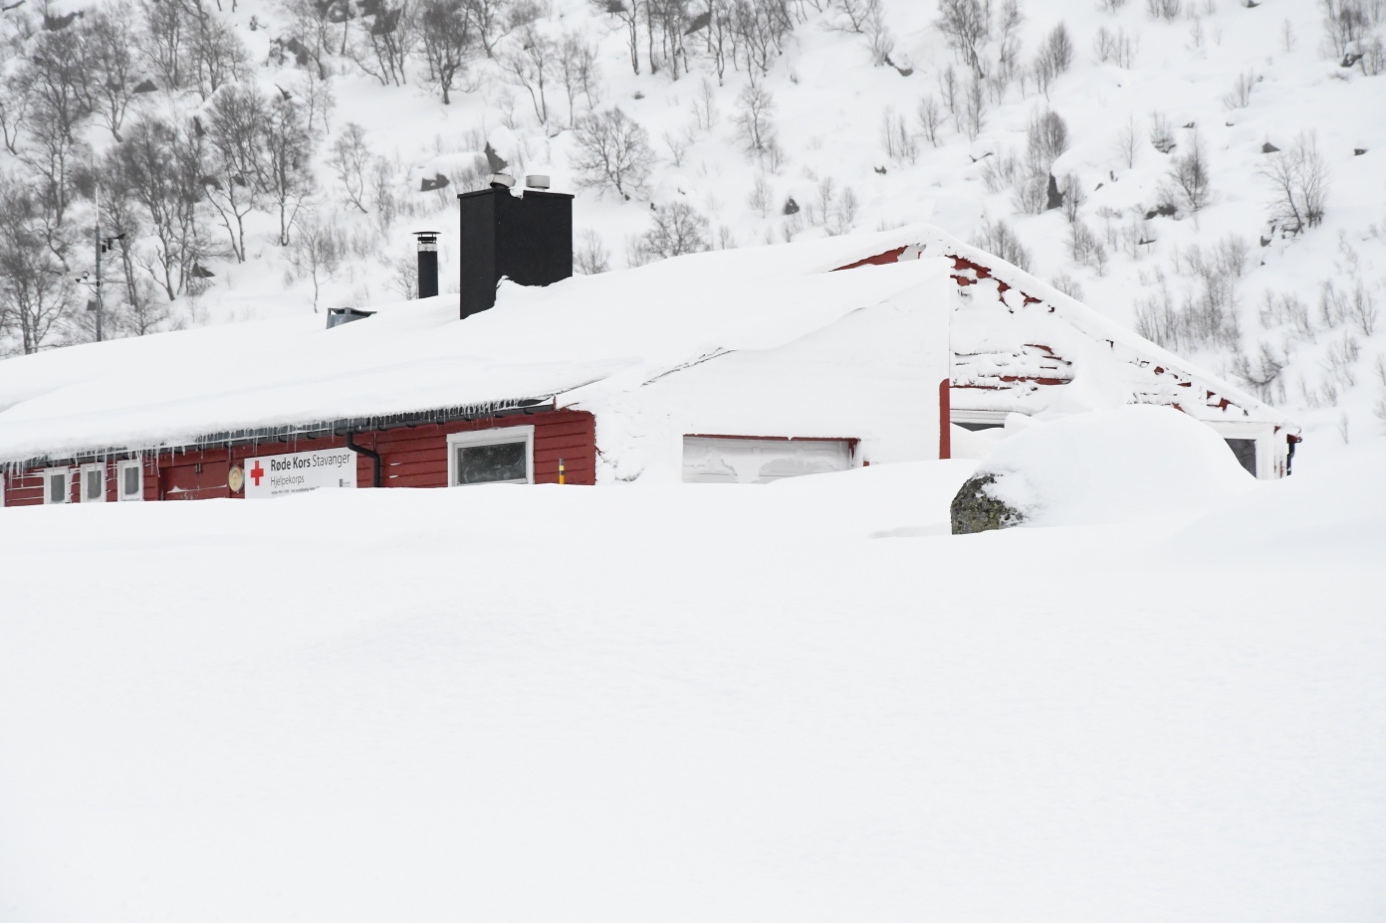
x: 477, y: 464
x: 57, y: 487
x: 94, y: 483
x: 131, y: 481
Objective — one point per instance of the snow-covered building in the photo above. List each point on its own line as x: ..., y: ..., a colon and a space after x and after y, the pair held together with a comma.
x: 745, y: 365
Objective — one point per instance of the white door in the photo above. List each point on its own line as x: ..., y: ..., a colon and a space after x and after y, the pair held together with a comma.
x: 723, y: 460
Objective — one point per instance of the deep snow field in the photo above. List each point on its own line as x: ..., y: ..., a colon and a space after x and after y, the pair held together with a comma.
x: 798, y: 702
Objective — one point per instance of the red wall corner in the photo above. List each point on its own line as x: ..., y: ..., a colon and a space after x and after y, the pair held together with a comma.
x: 945, y: 436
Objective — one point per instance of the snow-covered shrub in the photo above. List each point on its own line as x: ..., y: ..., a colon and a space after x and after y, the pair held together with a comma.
x: 591, y: 257
x: 1373, y: 60
x: 1340, y: 361
x: 878, y: 35
x: 705, y: 111
x: 450, y: 38
x: 1299, y: 182
x: 612, y: 151
x: 966, y: 26
x: 675, y: 229
x: 1073, y: 198
x: 1205, y: 316
x: 1054, y: 57
x: 754, y: 125
x: 930, y: 117
x: 1347, y: 22
x: 531, y: 60
x: 1046, y: 137
x: 1161, y: 135
x: 1239, y: 97
x: 1000, y: 239
x: 1190, y: 176
x: 1001, y: 171
x: 1168, y: 10
x: 1085, y: 248
x: 974, y: 109
x: 1231, y: 255
x: 1263, y: 374
x: 949, y: 92
x: 1355, y: 307
x: 899, y: 142
x: 317, y: 252
x: 1068, y: 285
x: 1115, y: 47
x: 1289, y: 310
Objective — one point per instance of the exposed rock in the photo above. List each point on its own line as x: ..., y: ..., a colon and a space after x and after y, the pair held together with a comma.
x: 974, y: 509
x: 495, y: 162
x: 1053, y: 198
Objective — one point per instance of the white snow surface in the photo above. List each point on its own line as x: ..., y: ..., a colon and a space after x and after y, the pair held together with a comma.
x: 803, y: 701
x: 1131, y: 463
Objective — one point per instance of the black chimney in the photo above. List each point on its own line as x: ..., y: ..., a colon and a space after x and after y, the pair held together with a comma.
x: 428, y: 263
x: 528, y: 239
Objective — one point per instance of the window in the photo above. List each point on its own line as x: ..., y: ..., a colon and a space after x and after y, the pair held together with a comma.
x: 491, y: 456
x: 57, y: 485
x: 94, y: 483
x: 130, y: 479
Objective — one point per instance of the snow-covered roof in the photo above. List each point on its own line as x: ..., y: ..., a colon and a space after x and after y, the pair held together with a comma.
x: 617, y: 330
x: 614, y: 331
x: 1015, y: 335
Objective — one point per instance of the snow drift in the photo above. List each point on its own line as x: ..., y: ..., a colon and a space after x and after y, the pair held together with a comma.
x: 1130, y: 463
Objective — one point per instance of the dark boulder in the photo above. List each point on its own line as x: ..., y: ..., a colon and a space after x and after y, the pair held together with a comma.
x: 974, y: 509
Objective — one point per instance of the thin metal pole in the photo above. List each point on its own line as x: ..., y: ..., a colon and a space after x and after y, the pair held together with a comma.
x: 100, y: 301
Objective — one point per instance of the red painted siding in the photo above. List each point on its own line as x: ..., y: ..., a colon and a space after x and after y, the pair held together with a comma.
x: 24, y: 489
x: 414, y: 456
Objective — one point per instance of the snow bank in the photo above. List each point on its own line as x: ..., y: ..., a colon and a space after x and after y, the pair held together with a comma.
x: 1118, y: 465
x: 1338, y: 514
x: 679, y: 704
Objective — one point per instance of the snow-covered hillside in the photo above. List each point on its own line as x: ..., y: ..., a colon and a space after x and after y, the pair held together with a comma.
x: 865, y: 114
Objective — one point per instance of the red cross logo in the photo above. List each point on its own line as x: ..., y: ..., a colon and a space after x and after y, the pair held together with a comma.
x: 256, y: 473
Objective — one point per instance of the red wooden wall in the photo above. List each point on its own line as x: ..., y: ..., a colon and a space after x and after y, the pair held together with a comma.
x: 413, y: 456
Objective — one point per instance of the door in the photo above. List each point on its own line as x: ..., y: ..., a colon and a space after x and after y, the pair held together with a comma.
x: 743, y: 460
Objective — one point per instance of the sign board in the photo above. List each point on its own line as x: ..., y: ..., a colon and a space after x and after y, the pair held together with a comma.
x: 281, y: 475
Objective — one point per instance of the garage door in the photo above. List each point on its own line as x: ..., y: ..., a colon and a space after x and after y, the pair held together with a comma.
x: 728, y: 460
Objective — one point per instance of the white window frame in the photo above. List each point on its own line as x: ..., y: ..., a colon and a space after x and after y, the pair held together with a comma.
x: 1271, y: 447
x: 500, y: 435
x: 48, y: 474
x: 82, y: 482
x: 121, y: 467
